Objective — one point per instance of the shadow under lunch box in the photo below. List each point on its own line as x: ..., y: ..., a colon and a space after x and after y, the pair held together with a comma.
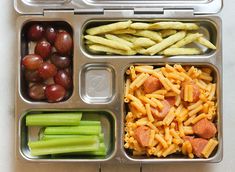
x: 104, y: 100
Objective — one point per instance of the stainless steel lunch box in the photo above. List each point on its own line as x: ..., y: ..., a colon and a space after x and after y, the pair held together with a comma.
x: 104, y: 100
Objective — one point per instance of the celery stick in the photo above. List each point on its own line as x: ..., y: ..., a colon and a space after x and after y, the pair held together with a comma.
x: 89, y: 123
x: 41, y: 133
x: 101, y: 137
x: 65, y: 149
x: 53, y: 119
x: 97, y: 153
x: 63, y: 142
x: 57, y: 136
x: 100, y: 152
x: 86, y: 130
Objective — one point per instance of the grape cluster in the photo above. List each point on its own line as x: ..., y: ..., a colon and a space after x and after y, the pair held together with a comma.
x: 48, y: 71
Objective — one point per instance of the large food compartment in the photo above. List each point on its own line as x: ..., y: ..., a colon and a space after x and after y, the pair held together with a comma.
x: 216, y: 75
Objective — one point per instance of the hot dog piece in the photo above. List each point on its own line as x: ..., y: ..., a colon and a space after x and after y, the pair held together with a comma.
x: 196, y: 90
x: 185, y: 104
x: 155, y: 112
x: 166, y: 108
x: 152, y: 84
x: 188, y: 138
x: 198, y: 145
x: 205, y: 128
x: 171, y: 100
x: 142, y: 135
x: 162, y: 113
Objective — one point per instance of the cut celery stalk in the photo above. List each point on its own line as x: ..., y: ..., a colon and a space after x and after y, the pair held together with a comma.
x: 83, y: 130
x: 53, y: 119
x: 57, y: 136
x: 64, y: 149
x: 61, y: 142
x: 101, y: 137
x: 66, y: 145
x: 100, y: 152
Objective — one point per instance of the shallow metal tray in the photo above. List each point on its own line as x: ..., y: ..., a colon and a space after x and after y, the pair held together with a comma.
x: 113, y: 69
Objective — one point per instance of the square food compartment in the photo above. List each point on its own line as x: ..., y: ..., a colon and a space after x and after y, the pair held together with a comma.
x: 216, y: 155
x: 31, y: 133
x: 63, y: 63
x: 97, y: 83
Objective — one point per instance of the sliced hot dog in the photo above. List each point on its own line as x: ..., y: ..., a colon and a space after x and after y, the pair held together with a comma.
x: 188, y: 138
x: 166, y: 108
x: 185, y: 104
x: 152, y: 84
x: 196, y: 90
x: 171, y: 100
x: 205, y: 128
x: 198, y: 144
x: 155, y: 112
x: 142, y: 135
x: 163, y: 112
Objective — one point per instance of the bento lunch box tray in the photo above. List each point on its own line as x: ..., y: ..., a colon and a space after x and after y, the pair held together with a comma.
x: 109, y: 72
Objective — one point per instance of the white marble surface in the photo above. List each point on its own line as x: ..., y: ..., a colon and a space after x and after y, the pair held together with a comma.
x: 8, y: 163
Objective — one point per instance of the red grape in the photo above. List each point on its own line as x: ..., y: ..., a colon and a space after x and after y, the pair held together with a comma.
x: 35, y: 32
x: 37, y: 91
x: 55, y: 93
x: 60, y: 61
x: 32, y: 61
x: 43, y: 48
x: 32, y: 76
x: 50, y: 34
x: 47, y: 70
x: 63, y: 43
x: 63, y: 78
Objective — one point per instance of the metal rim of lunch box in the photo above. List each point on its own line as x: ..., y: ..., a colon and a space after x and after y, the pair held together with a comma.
x: 98, y: 6
x: 180, y: 10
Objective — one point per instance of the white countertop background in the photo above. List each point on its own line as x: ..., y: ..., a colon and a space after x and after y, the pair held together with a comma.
x: 8, y: 162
